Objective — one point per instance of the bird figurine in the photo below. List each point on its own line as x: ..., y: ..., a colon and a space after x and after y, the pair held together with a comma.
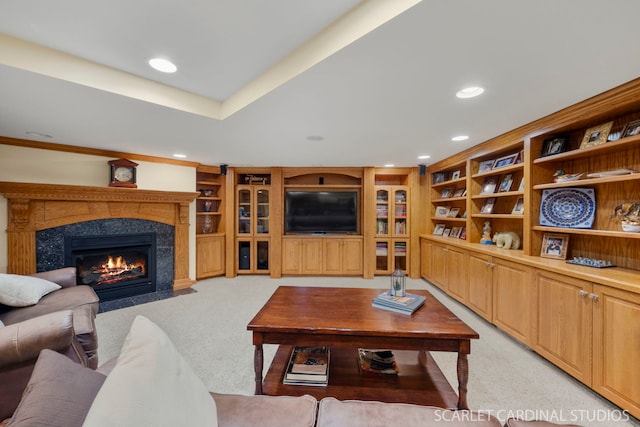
x: 561, y: 176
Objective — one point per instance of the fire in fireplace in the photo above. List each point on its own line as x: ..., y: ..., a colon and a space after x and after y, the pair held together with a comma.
x: 115, y: 266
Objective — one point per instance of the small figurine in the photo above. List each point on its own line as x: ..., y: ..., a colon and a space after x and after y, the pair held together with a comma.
x: 562, y: 176
x: 486, y: 234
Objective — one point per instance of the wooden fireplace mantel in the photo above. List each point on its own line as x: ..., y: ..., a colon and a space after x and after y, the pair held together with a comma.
x: 35, y: 207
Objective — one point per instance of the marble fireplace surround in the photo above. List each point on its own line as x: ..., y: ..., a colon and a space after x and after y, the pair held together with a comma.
x: 35, y: 207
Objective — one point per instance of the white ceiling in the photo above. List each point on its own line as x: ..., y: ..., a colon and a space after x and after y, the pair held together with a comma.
x: 256, y: 78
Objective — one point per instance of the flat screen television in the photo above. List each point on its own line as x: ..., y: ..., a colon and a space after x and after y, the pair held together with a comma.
x: 321, y: 212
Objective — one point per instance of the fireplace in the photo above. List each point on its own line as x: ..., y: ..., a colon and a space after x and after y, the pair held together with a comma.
x: 116, y: 266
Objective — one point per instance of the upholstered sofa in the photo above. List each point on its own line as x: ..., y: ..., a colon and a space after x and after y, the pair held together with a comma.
x: 61, y: 320
x: 150, y: 384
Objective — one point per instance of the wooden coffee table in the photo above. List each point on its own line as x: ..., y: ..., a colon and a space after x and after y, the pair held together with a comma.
x: 343, y: 319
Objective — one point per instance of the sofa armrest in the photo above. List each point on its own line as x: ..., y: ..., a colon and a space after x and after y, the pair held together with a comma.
x: 23, y: 341
x: 64, y: 277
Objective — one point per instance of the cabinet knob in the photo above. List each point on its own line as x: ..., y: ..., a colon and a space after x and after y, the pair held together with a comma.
x: 583, y: 293
x: 492, y: 265
x: 594, y: 297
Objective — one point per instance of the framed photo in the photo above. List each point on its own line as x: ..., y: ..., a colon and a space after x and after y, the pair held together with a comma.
x: 453, y: 212
x: 518, y: 209
x: 446, y: 232
x: 631, y: 129
x: 446, y: 193
x: 485, y: 166
x: 438, y: 177
x: 489, y: 185
x: 438, y: 230
x: 555, y: 246
x: 442, y: 211
x: 555, y: 145
x: 505, y: 184
x: 455, y: 232
x: 455, y: 175
x: 520, y: 157
x: 596, y: 135
x: 521, y: 186
x: 506, y: 161
x: 463, y: 233
x: 460, y: 192
x: 487, y: 207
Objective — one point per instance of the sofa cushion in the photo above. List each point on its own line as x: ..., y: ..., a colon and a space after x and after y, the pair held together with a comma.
x: 59, y: 393
x: 357, y: 413
x: 514, y: 422
x: 151, y: 385
x: 265, y: 411
x: 23, y: 291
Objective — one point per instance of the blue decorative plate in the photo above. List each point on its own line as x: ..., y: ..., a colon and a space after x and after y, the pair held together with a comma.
x: 568, y: 207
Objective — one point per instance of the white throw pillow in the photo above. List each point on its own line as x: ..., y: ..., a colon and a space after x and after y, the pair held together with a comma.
x: 151, y: 385
x: 1, y: 324
x: 22, y: 291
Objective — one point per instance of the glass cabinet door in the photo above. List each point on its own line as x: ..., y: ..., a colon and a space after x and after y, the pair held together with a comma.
x: 400, y: 213
x: 382, y: 212
x: 244, y: 211
x: 262, y: 209
x: 382, y: 256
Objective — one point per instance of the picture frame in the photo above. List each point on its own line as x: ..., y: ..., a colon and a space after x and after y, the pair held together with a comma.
x: 555, y: 145
x: 554, y: 246
x: 438, y: 177
x: 441, y: 211
x: 455, y: 232
x: 446, y: 193
x: 631, y: 129
x: 453, y: 212
x: 521, y: 186
x: 518, y: 208
x: 505, y: 161
x: 596, y: 135
x: 485, y: 166
x: 455, y: 175
x: 463, y: 233
x: 520, y: 158
x: 460, y: 192
x: 446, y: 232
x: 487, y: 206
x: 506, y: 183
x: 489, y: 185
x: 438, y: 230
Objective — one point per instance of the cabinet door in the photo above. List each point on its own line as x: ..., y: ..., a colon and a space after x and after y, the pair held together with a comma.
x: 400, y: 212
x: 457, y: 273
x: 480, y: 297
x: 209, y: 256
x: 312, y: 261
x: 291, y: 256
x: 513, y: 299
x: 425, y: 259
x: 383, y: 256
x: 564, y: 323
x: 262, y: 209
x: 352, y: 257
x: 382, y: 212
x: 333, y: 256
x: 244, y: 211
x: 616, y: 344
x: 438, y: 266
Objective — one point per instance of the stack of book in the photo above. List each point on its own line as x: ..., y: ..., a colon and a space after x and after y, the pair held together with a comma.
x: 308, y: 366
x: 407, y: 304
x: 377, y: 361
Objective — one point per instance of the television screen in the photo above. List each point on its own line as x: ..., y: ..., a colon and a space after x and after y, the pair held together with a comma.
x: 321, y: 212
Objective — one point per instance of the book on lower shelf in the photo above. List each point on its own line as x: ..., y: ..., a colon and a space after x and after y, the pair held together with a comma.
x: 308, y: 366
x: 377, y: 361
x: 407, y: 304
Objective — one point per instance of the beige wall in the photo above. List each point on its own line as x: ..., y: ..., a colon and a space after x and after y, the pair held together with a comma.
x: 21, y: 164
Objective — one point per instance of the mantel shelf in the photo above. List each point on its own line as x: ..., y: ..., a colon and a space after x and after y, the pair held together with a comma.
x: 583, y: 231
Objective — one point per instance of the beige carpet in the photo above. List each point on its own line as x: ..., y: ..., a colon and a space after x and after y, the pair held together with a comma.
x: 209, y: 328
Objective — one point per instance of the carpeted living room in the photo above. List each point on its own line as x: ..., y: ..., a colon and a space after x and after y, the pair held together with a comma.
x: 360, y: 213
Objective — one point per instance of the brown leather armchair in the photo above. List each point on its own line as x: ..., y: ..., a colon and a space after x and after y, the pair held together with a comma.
x: 20, y: 345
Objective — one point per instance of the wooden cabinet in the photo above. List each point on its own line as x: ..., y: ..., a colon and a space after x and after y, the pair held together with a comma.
x: 450, y: 270
x: 210, y: 256
x: 322, y: 256
x: 564, y: 323
x: 426, y: 264
x: 210, y: 253
x: 514, y: 302
x: 253, y: 225
x: 616, y: 340
x: 480, y: 297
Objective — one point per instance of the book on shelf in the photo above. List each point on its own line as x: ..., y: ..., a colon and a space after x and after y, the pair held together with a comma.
x: 377, y: 361
x: 407, y: 304
x: 308, y: 366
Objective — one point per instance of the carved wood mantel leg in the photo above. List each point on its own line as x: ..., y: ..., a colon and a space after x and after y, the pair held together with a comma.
x: 21, y: 238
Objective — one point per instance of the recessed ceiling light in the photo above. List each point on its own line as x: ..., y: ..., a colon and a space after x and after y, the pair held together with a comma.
x: 389, y: 165
x: 424, y: 157
x: 470, y: 92
x: 163, y: 65
x: 180, y: 156
x: 460, y: 138
x: 315, y: 138
x: 39, y: 134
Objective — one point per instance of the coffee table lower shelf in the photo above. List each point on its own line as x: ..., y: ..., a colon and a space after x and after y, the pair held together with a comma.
x: 420, y: 380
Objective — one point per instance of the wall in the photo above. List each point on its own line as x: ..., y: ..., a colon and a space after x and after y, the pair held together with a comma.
x: 22, y: 164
